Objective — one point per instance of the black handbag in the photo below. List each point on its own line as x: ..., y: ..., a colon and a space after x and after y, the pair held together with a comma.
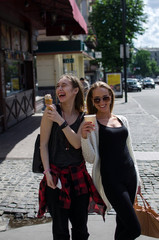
x: 37, y: 166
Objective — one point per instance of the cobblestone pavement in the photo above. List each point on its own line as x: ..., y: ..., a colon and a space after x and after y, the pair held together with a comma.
x: 19, y: 186
x: 144, y: 127
x: 19, y: 192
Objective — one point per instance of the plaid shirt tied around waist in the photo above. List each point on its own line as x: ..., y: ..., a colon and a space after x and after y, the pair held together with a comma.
x: 82, y: 184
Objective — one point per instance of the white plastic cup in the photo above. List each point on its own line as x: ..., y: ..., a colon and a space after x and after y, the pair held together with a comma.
x: 90, y: 118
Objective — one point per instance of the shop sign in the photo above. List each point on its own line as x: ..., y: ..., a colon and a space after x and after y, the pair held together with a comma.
x: 68, y: 60
x: 98, y: 55
x: 122, y: 51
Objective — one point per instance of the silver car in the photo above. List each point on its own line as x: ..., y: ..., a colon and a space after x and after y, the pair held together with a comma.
x: 148, y: 83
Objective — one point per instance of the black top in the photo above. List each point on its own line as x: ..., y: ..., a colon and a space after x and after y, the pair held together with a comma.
x: 61, y: 152
x: 114, y: 154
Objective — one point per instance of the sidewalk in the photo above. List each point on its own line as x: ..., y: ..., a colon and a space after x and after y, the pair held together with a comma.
x: 97, y: 230
x: 18, y: 192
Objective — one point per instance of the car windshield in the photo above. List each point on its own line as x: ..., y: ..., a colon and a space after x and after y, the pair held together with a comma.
x: 132, y: 82
x: 148, y: 80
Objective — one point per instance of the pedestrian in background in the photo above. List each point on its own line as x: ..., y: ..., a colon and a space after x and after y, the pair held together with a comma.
x: 66, y: 187
x: 85, y: 85
x: 108, y: 146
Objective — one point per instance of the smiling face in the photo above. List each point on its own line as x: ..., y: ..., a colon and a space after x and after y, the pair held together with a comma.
x: 65, y: 90
x: 101, y: 99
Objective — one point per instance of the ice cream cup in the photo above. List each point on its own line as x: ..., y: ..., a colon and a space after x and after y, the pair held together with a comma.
x: 90, y: 118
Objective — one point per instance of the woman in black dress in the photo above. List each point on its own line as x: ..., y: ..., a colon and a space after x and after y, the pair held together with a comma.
x: 108, y: 146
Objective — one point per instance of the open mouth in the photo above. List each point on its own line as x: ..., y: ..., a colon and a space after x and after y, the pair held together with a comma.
x: 61, y: 95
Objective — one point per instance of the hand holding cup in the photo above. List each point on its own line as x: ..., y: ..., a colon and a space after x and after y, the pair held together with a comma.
x: 90, y: 118
x: 88, y: 125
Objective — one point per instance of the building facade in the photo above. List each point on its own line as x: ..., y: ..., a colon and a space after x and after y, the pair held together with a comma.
x: 54, y: 58
x: 16, y: 68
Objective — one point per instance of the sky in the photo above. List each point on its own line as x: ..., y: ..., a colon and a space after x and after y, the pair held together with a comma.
x: 151, y: 36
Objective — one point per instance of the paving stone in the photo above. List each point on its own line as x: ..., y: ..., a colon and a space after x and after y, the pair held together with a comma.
x: 3, y: 224
x: 1, y: 213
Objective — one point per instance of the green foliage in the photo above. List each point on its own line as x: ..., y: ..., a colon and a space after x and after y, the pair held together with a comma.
x: 91, y: 36
x: 143, y: 65
x: 106, y: 20
x: 154, y: 68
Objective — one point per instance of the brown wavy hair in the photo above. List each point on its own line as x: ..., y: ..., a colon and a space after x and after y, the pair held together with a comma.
x: 91, y: 109
x: 79, y: 100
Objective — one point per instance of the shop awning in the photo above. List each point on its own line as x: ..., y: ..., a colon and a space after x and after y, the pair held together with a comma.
x: 63, y: 47
x: 58, y: 17
x: 69, y: 20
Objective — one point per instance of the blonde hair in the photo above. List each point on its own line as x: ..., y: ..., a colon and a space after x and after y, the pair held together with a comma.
x: 91, y: 109
x: 79, y: 100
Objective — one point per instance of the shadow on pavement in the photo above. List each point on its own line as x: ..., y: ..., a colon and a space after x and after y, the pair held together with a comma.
x: 17, y: 133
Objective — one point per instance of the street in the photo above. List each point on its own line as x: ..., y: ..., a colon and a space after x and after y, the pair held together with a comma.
x: 148, y: 99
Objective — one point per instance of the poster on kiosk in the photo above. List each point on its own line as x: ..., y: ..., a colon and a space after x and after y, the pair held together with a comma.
x: 114, y: 80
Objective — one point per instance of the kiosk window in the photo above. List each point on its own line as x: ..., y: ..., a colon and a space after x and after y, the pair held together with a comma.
x: 14, y: 77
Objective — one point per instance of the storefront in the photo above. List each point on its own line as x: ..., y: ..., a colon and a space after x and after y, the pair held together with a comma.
x: 19, y: 22
x: 54, y: 58
x: 16, y: 75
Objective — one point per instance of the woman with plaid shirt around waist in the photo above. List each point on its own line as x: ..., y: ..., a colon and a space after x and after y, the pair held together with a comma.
x: 67, y: 188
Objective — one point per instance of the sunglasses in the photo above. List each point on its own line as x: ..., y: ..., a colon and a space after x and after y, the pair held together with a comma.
x: 104, y: 98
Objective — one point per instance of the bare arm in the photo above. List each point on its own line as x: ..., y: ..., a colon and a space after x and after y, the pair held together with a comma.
x: 45, y: 130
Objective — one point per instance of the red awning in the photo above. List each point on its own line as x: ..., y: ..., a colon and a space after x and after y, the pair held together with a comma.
x: 69, y: 20
x: 58, y: 17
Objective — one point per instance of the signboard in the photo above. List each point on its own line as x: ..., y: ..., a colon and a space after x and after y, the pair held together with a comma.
x: 15, y: 84
x: 68, y: 60
x: 98, y: 55
x: 115, y: 82
x: 122, y: 51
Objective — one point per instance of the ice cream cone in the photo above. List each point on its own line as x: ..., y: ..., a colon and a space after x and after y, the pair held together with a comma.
x: 48, y: 101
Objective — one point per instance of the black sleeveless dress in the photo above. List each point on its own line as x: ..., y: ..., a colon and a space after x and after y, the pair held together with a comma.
x: 119, y: 179
x: 116, y: 161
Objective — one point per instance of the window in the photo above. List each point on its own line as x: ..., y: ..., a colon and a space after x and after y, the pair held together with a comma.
x: 14, y: 77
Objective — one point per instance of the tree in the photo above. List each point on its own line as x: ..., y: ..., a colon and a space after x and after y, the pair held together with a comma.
x: 106, y: 20
x: 143, y: 65
x: 154, y: 68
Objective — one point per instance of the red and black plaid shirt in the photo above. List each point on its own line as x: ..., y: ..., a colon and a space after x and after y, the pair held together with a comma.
x: 82, y: 183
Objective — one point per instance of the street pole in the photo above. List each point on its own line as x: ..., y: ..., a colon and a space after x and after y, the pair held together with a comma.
x: 124, y: 44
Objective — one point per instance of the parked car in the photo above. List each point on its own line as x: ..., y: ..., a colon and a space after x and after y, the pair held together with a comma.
x: 133, y: 85
x: 156, y: 80
x: 148, y: 83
